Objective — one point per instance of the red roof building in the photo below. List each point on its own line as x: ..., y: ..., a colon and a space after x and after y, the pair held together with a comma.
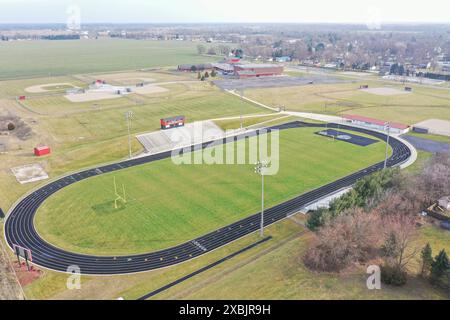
x: 376, y: 123
x: 257, y: 70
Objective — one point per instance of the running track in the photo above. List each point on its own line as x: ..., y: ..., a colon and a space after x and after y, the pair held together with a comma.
x: 19, y: 226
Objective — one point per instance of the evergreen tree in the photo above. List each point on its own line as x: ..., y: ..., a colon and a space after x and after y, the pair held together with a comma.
x: 427, y: 260
x: 199, y: 76
x: 390, y: 247
x: 206, y: 74
x: 440, y: 274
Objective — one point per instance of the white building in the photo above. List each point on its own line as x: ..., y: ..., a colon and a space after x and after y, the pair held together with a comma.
x: 375, y: 124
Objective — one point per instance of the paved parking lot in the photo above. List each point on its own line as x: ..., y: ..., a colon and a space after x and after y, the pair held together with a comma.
x: 428, y: 145
x: 273, y: 82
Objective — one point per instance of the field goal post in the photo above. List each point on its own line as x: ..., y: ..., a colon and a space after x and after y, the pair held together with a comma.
x: 23, y: 253
x: 119, y: 197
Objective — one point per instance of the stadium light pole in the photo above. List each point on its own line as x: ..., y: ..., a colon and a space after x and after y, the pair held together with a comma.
x: 128, y: 117
x: 259, y: 169
x: 242, y: 99
x: 387, y: 128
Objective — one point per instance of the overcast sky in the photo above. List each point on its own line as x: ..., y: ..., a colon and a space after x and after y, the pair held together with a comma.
x: 156, y: 11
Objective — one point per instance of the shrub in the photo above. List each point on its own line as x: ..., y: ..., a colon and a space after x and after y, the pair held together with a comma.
x: 350, y: 238
x: 317, y: 219
x: 11, y: 126
x: 393, y: 275
x: 440, y: 270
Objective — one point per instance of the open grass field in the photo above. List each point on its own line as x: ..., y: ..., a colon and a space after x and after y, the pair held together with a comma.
x: 245, y: 276
x: 423, y: 103
x: 82, y: 134
x: 290, y: 279
x: 29, y: 59
x: 195, y: 199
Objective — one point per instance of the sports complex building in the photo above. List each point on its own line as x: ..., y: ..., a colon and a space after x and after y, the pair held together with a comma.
x: 376, y: 124
x: 236, y: 69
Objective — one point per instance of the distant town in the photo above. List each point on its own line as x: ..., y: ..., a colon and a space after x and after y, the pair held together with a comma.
x: 409, y: 51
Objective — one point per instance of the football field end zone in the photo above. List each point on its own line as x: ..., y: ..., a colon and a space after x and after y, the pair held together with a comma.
x: 203, y: 269
x: 193, y: 257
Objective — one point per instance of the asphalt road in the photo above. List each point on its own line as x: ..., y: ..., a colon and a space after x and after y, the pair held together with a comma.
x: 20, y: 230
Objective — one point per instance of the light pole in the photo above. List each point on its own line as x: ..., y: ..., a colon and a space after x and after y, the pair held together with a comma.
x: 259, y: 169
x: 387, y: 128
x: 128, y: 117
x: 242, y: 99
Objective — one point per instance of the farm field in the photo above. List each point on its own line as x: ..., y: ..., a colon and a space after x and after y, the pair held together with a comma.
x: 423, y: 103
x: 195, y: 199
x: 27, y: 59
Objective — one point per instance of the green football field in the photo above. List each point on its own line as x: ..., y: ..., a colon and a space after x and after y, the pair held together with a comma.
x: 168, y: 204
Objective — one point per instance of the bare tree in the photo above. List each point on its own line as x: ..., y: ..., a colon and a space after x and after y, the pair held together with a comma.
x: 400, y: 235
x: 350, y: 238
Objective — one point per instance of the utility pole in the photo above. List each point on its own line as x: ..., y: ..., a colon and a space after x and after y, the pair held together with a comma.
x: 242, y: 99
x: 128, y: 117
x: 259, y: 169
x: 387, y: 128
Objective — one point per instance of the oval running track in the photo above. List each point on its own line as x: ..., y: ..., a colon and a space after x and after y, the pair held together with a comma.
x: 20, y: 230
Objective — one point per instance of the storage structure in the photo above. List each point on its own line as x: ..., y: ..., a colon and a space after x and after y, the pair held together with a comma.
x: 257, y: 70
x: 41, y: 151
x: 172, y: 122
x: 396, y: 128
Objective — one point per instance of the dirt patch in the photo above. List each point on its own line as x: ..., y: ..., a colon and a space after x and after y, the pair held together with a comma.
x: 383, y: 91
x: 48, y: 87
x: 91, y: 96
x: 24, y: 275
x: 29, y: 173
x: 21, y: 129
x: 149, y: 89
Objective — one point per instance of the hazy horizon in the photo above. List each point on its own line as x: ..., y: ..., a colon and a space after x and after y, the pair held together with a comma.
x: 230, y: 11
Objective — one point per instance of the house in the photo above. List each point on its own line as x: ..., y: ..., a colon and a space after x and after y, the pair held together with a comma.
x: 376, y: 124
x: 283, y: 59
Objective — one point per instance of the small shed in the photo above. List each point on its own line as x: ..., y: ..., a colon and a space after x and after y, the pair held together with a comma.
x: 41, y: 151
x: 444, y: 202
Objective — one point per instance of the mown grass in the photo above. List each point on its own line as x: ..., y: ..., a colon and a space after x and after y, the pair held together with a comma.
x: 44, y: 58
x: 346, y: 98
x: 280, y: 274
x: 246, y: 122
x: 169, y: 204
